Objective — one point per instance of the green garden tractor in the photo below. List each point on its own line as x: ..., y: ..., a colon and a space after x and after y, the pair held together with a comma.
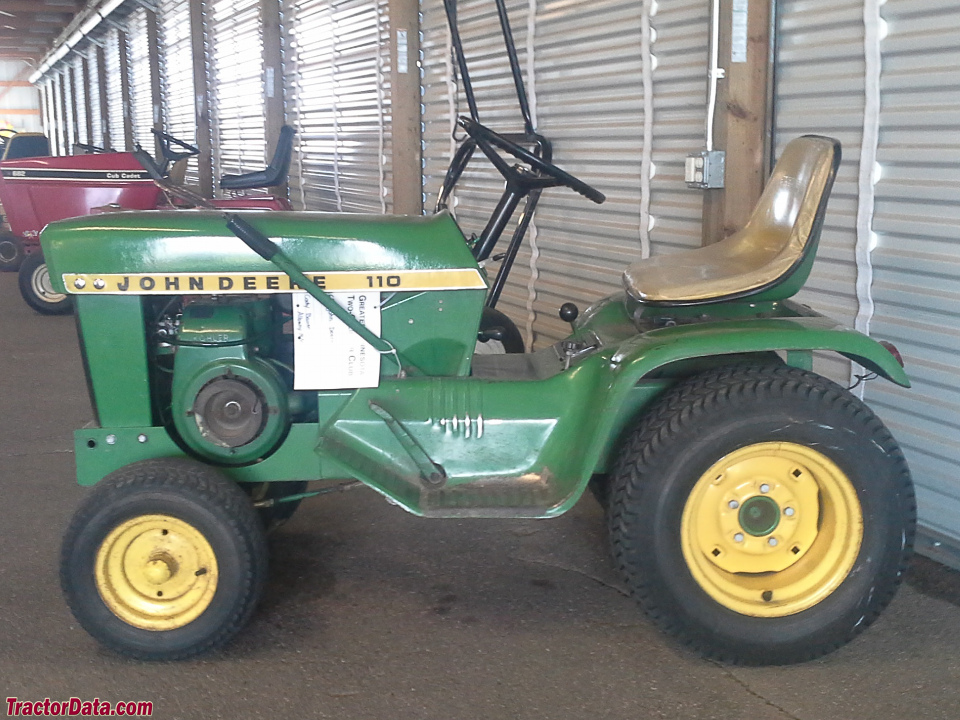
x: 237, y: 365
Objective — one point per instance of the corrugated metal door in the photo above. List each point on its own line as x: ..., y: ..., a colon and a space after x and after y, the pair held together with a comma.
x: 58, y: 141
x: 820, y: 88
x: 141, y: 85
x: 236, y: 82
x: 336, y: 74
x: 114, y: 90
x: 587, y: 90
x: 176, y: 73
x: 94, y: 90
x: 80, y: 98
x: 49, y: 119
x: 916, y: 262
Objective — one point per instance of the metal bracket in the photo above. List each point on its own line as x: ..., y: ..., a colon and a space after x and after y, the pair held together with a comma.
x: 430, y: 472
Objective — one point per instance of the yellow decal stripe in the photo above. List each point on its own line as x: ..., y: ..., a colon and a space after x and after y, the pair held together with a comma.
x: 266, y: 282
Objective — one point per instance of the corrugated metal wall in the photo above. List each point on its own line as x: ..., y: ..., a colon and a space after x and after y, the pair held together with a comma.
x: 904, y: 185
x: 94, y: 92
x: 820, y: 89
x: 141, y: 84
x: 587, y: 91
x: 916, y: 263
x: 336, y: 84
x: 176, y: 75
x: 114, y: 90
x: 235, y: 63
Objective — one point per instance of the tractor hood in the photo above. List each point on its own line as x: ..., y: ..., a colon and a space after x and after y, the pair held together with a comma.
x: 193, y: 251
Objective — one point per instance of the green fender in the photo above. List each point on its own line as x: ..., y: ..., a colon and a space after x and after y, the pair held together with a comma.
x: 630, y: 387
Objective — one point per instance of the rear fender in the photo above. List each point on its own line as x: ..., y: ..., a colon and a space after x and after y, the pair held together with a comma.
x: 634, y: 380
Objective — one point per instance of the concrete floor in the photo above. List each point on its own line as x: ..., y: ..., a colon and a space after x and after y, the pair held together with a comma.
x: 373, y: 613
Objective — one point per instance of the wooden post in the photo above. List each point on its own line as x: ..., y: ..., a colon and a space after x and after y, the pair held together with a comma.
x: 201, y: 97
x: 405, y: 103
x: 272, y: 77
x: 742, y: 124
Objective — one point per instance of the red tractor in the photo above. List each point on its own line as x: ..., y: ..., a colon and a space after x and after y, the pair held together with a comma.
x: 37, y: 188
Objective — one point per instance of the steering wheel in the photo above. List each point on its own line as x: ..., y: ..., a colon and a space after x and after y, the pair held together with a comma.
x: 166, y: 140
x: 485, y: 138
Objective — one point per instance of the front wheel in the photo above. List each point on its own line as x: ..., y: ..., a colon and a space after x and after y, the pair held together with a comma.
x: 164, y: 560
x: 11, y: 252
x: 37, y: 290
x: 762, y: 514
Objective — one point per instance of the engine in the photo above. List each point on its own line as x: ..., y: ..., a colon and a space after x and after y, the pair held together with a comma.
x: 223, y: 370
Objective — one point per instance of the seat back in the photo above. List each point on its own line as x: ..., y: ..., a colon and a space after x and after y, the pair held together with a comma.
x: 27, y: 145
x: 771, y: 257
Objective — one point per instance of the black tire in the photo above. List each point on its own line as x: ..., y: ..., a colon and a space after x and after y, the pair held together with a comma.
x: 11, y: 252
x: 35, y: 288
x: 512, y: 341
x: 274, y: 516
x: 149, y: 495
x: 721, y: 591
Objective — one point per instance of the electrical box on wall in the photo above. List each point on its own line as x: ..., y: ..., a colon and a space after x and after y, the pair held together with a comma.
x: 705, y: 169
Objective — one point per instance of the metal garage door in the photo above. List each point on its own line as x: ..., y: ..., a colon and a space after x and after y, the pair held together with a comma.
x: 94, y: 90
x: 583, y: 65
x: 80, y: 98
x: 141, y: 83
x: 336, y: 84
x: 235, y: 63
x: 916, y: 263
x: 114, y: 89
x: 176, y: 73
x: 885, y: 79
x: 820, y: 88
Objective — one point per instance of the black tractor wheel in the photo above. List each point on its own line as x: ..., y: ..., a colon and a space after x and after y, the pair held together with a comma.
x: 164, y: 560
x: 762, y: 514
x: 11, y: 252
x: 36, y: 289
x: 494, y: 322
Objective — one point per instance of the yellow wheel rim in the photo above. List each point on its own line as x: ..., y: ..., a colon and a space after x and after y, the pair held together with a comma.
x: 771, y: 529
x: 156, y: 572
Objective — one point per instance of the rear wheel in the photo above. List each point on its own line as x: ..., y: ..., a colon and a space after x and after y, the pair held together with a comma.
x: 37, y: 290
x: 166, y: 559
x: 11, y: 252
x: 762, y: 514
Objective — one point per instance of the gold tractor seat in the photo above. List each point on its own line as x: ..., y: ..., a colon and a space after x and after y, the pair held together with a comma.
x: 770, y: 258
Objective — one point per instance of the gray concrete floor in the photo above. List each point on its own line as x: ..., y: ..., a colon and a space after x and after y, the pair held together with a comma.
x: 373, y: 613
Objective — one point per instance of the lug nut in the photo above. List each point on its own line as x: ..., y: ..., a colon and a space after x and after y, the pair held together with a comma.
x: 738, y: 537
x: 764, y: 488
x: 789, y: 512
x: 733, y: 504
x: 772, y: 542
